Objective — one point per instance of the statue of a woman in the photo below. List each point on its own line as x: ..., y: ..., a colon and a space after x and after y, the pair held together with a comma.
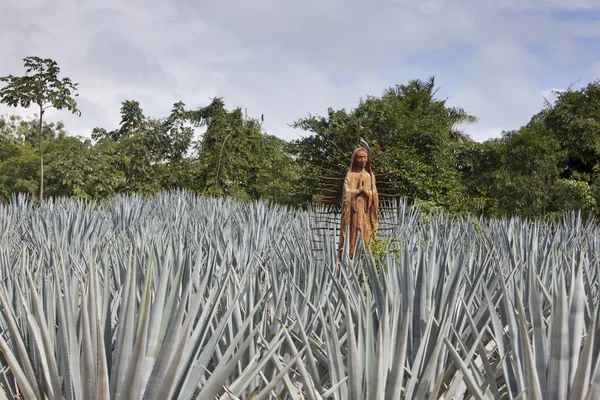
x: 359, y: 201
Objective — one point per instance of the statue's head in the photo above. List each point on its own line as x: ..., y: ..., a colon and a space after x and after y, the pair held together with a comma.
x: 360, y: 159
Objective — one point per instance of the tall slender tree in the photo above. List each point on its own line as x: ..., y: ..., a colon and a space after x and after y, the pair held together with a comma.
x: 40, y: 86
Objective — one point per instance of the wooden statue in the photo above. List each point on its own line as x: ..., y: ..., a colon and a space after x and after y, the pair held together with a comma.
x: 360, y: 201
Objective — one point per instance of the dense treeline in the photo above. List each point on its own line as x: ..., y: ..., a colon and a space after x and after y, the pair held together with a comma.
x: 146, y: 155
x: 550, y: 165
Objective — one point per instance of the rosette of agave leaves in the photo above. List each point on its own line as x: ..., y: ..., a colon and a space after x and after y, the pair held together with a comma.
x: 177, y: 296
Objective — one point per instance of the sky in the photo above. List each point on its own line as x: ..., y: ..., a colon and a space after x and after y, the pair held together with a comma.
x: 284, y: 59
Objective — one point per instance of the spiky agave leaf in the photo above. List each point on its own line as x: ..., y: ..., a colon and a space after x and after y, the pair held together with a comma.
x: 180, y: 296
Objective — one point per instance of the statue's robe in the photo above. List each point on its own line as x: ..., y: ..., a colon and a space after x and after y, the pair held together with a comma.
x: 359, y: 211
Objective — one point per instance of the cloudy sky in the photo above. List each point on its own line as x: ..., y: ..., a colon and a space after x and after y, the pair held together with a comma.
x: 287, y: 58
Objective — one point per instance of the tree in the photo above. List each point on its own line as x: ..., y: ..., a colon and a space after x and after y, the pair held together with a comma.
x: 27, y: 131
x: 421, y: 95
x: 132, y: 118
x: 150, y: 153
x: 515, y: 174
x: 40, y: 86
x: 17, y: 169
x: 574, y: 120
x: 235, y: 158
x: 68, y: 167
x: 18, y: 156
x: 169, y: 138
x: 416, y: 132
x: 223, y: 150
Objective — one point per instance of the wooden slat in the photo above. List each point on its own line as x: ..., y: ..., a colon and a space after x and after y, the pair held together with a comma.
x: 331, y: 179
x: 388, y: 173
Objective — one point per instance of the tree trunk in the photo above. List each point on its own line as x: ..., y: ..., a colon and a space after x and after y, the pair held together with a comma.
x: 41, y: 158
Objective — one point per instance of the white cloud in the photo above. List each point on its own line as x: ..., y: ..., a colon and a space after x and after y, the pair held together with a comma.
x: 542, y: 4
x: 285, y: 59
x: 480, y: 133
x: 549, y: 95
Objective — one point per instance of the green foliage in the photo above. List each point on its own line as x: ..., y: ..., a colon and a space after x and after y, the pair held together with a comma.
x: 574, y: 119
x: 415, y: 130
x: 26, y: 131
x: 40, y: 86
x: 233, y: 157
x: 381, y: 248
x: 237, y: 159
x: 18, y: 170
x: 574, y: 195
x: 541, y: 169
x: 18, y: 163
x: 544, y: 168
x: 106, y: 178
x: 515, y: 174
x: 274, y: 176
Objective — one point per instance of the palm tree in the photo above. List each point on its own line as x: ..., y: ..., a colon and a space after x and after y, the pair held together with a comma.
x: 458, y: 116
x: 416, y: 89
x: 421, y: 94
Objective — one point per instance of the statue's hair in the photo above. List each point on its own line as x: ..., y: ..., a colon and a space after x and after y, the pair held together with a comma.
x: 352, y: 159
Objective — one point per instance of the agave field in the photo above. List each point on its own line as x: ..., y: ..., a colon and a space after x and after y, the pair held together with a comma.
x: 184, y: 297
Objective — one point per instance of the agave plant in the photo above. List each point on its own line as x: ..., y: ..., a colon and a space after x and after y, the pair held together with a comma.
x: 179, y: 296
